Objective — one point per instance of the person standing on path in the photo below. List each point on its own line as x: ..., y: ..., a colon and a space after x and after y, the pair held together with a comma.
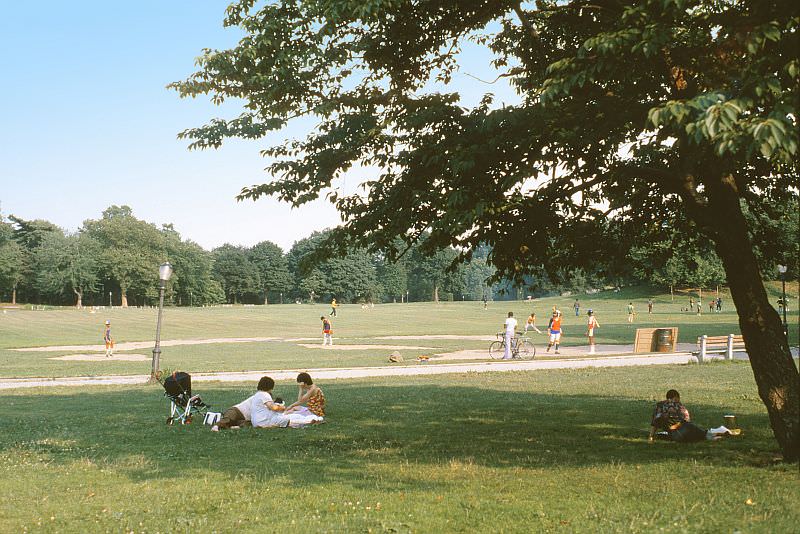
x: 333, y: 308
x: 327, y: 331
x: 577, y: 307
x: 511, y: 330
x: 109, y: 341
x: 485, y: 304
x: 650, y: 306
x: 590, y: 328
x: 631, y: 312
x: 554, y: 328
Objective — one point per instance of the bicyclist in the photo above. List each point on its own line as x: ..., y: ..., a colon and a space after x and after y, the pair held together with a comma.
x: 554, y: 327
x: 511, y: 330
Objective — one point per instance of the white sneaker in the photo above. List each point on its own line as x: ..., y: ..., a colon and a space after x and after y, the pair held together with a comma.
x: 215, y: 428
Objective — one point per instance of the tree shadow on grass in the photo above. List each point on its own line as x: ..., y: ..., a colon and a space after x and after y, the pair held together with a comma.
x: 369, y: 427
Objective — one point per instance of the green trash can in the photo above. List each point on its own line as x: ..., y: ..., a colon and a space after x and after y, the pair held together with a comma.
x: 662, y: 340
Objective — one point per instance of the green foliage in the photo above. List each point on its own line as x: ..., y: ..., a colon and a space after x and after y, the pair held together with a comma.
x: 132, y: 250
x: 191, y: 283
x: 12, y: 265
x: 68, y: 264
x: 621, y: 99
x: 273, y: 269
x: 237, y: 275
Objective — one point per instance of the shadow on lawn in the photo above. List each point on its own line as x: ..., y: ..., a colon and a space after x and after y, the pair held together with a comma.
x: 368, y: 427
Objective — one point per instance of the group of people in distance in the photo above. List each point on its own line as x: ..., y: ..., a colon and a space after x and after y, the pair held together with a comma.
x: 261, y: 410
x: 554, y: 329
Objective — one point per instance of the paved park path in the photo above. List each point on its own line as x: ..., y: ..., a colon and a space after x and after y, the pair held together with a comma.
x: 413, y: 369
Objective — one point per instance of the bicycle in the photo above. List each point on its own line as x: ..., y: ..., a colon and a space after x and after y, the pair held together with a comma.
x: 521, y: 347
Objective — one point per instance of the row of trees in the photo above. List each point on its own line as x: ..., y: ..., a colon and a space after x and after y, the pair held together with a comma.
x: 116, y: 257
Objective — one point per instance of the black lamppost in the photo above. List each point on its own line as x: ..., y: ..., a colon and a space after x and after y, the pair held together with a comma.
x: 782, y: 270
x: 109, y: 299
x: 164, y: 273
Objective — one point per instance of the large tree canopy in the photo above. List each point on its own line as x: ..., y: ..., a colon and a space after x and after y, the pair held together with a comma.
x: 630, y: 112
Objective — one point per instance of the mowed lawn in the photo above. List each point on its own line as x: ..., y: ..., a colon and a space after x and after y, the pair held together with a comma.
x: 291, y: 325
x: 547, y: 451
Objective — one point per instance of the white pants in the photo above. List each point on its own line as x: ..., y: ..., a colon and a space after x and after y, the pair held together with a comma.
x: 327, y: 339
x: 507, y: 353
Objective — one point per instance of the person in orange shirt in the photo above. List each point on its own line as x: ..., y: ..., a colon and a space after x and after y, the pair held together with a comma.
x: 554, y: 327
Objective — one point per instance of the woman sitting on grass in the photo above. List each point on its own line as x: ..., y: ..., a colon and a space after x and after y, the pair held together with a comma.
x: 310, y: 395
x: 264, y: 412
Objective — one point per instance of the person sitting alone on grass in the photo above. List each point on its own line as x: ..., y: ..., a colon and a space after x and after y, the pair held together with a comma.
x: 265, y: 412
x: 310, y: 405
x: 671, y: 420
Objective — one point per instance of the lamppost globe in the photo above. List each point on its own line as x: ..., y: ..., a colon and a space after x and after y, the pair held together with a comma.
x: 782, y: 269
x: 165, y: 272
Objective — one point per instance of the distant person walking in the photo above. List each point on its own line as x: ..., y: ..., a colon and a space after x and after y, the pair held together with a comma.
x: 691, y: 304
x: 109, y: 341
x: 631, y: 312
x: 327, y: 331
x: 591, y: 325
x: 719, y: 304
x: 577, y: 307
x: 511, y: 330
x: 485, y: 304
x: 650, y: 306
x: 333, y: 308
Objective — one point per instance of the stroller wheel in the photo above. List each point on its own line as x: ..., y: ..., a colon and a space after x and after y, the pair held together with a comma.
x: 170, y: 421
x: 187, y: 421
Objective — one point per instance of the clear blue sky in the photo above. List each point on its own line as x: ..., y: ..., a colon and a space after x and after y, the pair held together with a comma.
x: 87, y: 122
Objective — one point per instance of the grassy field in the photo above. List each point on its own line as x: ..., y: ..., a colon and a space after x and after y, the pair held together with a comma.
x: 56, y: 327
x: 548, y: 451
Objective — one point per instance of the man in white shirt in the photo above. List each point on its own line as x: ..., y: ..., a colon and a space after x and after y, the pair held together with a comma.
x: 511, y: 330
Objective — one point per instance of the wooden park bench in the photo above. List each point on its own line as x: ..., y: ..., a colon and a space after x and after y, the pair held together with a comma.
x: 718, y: 345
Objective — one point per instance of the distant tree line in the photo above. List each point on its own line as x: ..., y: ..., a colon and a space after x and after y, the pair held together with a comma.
x: 114, y: 260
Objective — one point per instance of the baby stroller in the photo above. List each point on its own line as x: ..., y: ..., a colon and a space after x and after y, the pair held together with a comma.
x: 178, y: 389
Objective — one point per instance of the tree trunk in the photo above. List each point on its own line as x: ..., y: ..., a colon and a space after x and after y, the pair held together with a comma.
x: 79, y: 299
x: 266, y: 296
x: 124, y: 299
x: 436, y: 294
x: 14, y: 294
x: 775, y: 373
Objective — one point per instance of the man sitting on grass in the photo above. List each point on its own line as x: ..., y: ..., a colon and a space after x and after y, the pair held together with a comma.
x: 672, y: 417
